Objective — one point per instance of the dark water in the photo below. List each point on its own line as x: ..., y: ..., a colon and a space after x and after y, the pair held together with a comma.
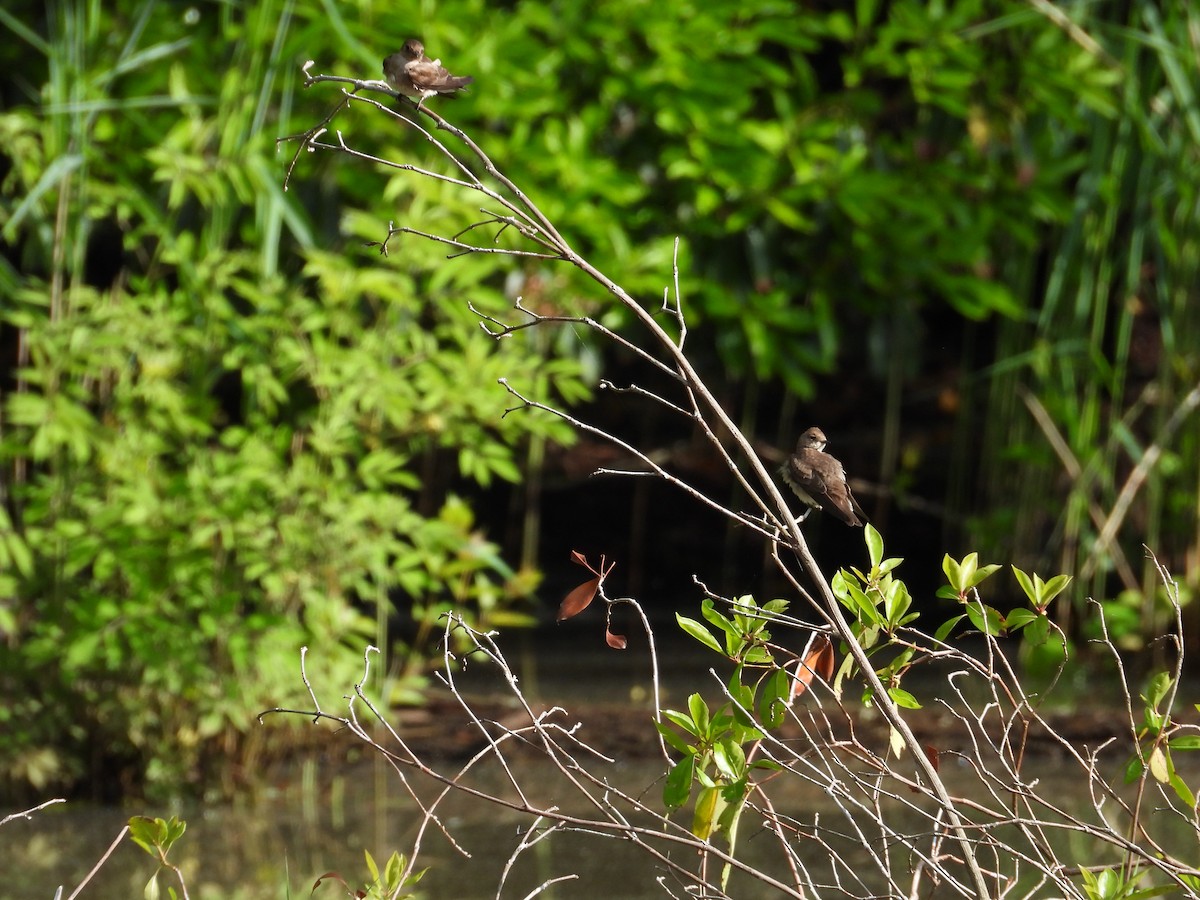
x: 278, y: 846
x: 322, y: 818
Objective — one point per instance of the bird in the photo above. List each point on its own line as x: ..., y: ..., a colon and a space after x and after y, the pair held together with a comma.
x: 413, y: 74
x: 820, y: 481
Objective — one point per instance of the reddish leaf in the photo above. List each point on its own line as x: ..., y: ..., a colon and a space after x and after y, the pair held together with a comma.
x: 616, y: 641
x: 577, y: 601
x: 579, y: 559
x: 817, y: 662
x: 931, y: 753
x: 333, y: 876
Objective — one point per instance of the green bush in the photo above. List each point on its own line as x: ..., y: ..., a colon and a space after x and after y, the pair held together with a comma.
x: 222, y: 438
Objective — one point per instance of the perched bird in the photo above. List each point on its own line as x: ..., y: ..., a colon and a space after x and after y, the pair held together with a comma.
x: 415, y: 75
x: 819, y: 480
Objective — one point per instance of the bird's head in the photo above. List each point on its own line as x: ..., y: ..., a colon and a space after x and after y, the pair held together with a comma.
x: 412, y: 49
x: 814, y: 438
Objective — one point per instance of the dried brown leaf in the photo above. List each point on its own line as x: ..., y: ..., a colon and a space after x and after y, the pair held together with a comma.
x: 616, y: 641
x: 817, y: 662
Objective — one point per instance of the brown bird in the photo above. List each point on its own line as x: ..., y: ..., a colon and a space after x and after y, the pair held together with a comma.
x: 415, y: 75
x: 819, y: 480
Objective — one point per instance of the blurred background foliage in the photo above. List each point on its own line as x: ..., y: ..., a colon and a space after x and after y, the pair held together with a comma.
x: 960, y: 235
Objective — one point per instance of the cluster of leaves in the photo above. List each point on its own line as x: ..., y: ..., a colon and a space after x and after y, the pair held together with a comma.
x: 717, y: 744
x: 157, y: 836
x: 221, y: 438
x: 853, y: 157
x: 393, y: 882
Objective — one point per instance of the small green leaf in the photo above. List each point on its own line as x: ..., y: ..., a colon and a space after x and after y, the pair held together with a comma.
x: 1160, y: 686
x: 730, y: 760
x: 1019, y: 618
x: 393, y: 871
x: 710, y: 613
x: 699, y: 632
x: 772, y: 706
x: 1026, y: 585
x: 699, y: 710
x: 1038, y: 631
x: 1159, y: 767
x: 985, y: 618
x: 679, y: 782
x: 708, y: 805
x: 903, y: 698
x: 1182, y: 791
x: 682, y: 720
x: 672, y: 737
x: 874, y: 543
x: 946, y: 627
x: 1053, y: 588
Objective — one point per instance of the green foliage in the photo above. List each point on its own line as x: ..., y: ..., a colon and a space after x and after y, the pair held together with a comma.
x: 156, y: 837
x: 1158, y: 736
x: 717, y: 747
x: 1102, y: 360
x: 1114, y: 884
x: 391, y: 883
x: 230, y: 428
x: 851, y: 157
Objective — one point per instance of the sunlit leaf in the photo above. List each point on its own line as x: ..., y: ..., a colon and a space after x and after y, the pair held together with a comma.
x: 708, y: 805
x: 679, y: 782
x: 578, y: 600
x: 699, y: 632
x: 772, y: 706
x: 818, y: 662
x: 616, y: 641
x: 903, y: 698
x: 1159, y: 767
x: 672, y: 737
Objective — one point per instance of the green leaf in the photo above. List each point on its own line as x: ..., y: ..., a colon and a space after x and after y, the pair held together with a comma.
x: 946, y: 627
x: 393, y: 872
x: 708, y: 806
x: 1026, y: 585
x: 1160, y: 686
x: 1037, y: 633
x: 903, y: 698
x: 1133, y: 770
x: 699, y: 632
x: 709, y: 611
x: 682, y: 720
x: 772, y: 706
x: 679, y: 782
x: 730, y: 759
x: 671, y: 736
x: 874, y: 542
x: 1019, y: 618
x: 1182, y: 791
x: 699, y: 711
x: 985, y: 618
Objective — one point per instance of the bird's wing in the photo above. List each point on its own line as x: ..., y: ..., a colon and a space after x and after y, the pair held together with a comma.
x: 811, y: 476
x: 425, y: 73
x: 431, y: 75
